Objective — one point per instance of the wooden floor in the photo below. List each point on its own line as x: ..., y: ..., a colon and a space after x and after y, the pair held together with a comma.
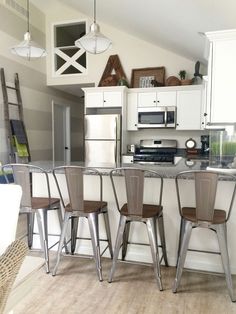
x: 76, y: 289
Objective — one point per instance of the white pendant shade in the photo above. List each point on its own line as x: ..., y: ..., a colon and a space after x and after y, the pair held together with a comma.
x: 28, y: 49
x: 94, y: 42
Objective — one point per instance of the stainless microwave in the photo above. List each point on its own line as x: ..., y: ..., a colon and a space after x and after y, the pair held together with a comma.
x: 157, y: 117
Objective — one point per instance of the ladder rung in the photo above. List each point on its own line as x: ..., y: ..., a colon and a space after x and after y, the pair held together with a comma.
x: 13, y: 104
x: 10, y: 87
x: 12, y: 151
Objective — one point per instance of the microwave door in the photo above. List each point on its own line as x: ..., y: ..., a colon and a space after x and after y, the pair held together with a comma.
x: 151, y: 119
x: 170, y: 117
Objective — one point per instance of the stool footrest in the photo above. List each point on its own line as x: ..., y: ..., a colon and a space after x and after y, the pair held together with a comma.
x: 203, y: 251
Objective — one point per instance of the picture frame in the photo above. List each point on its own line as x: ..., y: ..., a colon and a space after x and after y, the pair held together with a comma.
x: 148, y: 77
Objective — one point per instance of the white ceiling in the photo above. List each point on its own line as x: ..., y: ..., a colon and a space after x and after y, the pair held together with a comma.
x: 171, y: 24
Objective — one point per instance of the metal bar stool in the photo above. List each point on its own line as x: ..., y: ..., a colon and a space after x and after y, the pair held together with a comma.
x: 135, y: 210
x: 78, y: 207
x: 31, y: 205
x: 204, y: 215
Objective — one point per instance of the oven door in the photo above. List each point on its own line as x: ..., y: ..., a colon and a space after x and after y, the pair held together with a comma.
x: 152, y: 117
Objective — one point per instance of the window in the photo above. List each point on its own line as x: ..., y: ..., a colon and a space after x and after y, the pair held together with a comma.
x: 69, y: 59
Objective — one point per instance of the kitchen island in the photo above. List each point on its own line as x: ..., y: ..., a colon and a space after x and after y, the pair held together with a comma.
x: 201, y: 238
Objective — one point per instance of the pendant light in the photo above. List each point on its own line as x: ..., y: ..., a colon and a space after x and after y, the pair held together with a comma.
x: 94, y: 42
x: 28, y: 48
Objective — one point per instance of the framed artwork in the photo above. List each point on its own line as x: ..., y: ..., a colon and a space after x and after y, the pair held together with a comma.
x: 148, y: 77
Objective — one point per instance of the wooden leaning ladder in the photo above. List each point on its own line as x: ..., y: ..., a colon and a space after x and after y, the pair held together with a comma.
x: 13, y: 155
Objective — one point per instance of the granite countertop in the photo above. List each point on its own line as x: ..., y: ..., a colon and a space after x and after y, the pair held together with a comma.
x: 167, y: 171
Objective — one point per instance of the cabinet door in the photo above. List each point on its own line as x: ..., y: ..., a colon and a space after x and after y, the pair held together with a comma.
x: 166, y: 99
x: 206, y: 113
x: 189, y: 110
x: 93, y: 100
x: 223, y: 93
x: 112, y: 99
x: 132, y: 112
x: 147, y: 100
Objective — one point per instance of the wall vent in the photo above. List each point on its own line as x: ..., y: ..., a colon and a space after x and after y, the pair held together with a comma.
x: 16, y: 7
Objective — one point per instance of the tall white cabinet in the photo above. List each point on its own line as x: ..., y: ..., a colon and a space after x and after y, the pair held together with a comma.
x: 189, y: 109
x: 221, y: 87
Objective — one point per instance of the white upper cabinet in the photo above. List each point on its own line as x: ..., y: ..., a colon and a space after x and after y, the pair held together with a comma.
x: 221, y: 91
x: 189, y: 110
x: 94, y: 100
x: 154, y: 99
x: 132, y: 112
x: 187, y: 99
x: 104, y: 97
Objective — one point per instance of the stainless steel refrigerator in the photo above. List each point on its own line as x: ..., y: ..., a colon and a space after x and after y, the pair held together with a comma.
x: 102, y: 138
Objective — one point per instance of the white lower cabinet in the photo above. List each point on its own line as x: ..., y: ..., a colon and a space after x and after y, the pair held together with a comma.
x: 189, y: 110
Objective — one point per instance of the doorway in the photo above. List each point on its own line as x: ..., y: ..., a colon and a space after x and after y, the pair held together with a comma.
x: 61, y: 143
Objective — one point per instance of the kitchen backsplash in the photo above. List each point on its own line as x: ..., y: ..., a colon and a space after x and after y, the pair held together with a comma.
x: 180, y: 136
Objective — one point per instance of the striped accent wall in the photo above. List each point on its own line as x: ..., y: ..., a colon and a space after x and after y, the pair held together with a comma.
x: 36, y: 96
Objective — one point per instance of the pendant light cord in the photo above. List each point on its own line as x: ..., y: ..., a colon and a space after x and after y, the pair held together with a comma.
x: 27, y: 15
x: 94, y: 11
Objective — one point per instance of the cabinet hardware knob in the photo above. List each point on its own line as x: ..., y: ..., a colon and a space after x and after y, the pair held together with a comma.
x: 205, y: 114
x: 154, y: 100
x: 158, y: 101
x: 104, y: 100
x: 135, y: 124
x: 177, y: 124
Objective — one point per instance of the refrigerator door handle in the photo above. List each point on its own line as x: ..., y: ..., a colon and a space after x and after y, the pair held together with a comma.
x: 115, y: 150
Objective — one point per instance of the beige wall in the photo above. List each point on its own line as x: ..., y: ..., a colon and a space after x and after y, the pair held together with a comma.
x: 133, y: 52
x: 36, y: 96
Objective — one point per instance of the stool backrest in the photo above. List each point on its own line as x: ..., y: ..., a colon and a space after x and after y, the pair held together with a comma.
x: 134, y: 182
x: 134, y: 185
x: 206, y: 188
x: 74, y: 179
x: 75, y: 185
x: 22, y: 174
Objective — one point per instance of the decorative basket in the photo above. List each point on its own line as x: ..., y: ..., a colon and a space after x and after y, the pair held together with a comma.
x: 186, y: 82
x: 173, y: 81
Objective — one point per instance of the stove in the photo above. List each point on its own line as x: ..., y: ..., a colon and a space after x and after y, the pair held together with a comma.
x: 156, y: 152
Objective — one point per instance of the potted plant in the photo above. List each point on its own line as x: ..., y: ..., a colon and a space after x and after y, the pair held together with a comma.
x: 184, y: 81
x: 182, y: 74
